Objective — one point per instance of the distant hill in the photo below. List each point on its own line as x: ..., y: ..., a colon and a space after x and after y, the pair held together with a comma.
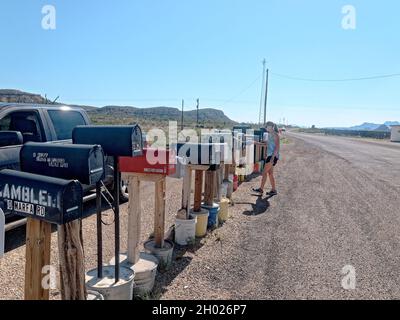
x: 367, y: 126
x: 7, y: 95
x: 128, y: 114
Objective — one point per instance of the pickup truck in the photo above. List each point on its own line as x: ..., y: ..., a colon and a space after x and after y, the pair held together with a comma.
x: 42, y: 123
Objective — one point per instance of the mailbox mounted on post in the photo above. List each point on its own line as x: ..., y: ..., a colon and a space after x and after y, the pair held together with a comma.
x: 153, y: 161
x: 118, y: 141
x: 223, y: 144
x: 48, y: 199
x: 84, y: 163
x: 201, y: 153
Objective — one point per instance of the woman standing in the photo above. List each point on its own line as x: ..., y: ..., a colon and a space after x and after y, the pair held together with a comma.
x: 273, y: 148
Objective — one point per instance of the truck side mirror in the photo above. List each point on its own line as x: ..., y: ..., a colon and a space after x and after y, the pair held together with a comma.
x: 11, y: 138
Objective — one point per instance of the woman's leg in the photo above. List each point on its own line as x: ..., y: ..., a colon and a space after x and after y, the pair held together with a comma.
x: 272, y: 178
x: 264, y: 179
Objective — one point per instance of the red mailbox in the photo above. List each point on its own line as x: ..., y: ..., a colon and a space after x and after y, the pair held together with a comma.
x: 153, y: 161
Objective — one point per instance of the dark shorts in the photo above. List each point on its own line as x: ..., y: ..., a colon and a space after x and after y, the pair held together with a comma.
x: 269, y: 160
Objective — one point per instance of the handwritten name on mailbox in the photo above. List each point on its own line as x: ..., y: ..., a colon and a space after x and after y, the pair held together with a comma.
x: 49, y: 199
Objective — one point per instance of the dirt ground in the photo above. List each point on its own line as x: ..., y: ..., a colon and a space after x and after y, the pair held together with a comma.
x: 330, y: 212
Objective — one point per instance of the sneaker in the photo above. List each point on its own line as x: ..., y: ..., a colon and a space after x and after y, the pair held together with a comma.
x: 272, y: 193
x: 258, y: 190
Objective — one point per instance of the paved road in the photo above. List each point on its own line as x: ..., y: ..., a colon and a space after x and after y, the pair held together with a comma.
x: 381, y: 159
x: 338, y: 205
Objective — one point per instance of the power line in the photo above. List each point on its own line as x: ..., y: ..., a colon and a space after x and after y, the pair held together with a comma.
x: 393, y: 75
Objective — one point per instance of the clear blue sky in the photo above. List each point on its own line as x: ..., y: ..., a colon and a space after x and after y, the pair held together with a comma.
x: 156, y: 52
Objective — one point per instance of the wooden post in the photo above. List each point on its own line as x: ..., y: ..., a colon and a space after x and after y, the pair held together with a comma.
x: 186, y: 190
x: 159, y: 217
x: 198, y: 190
x: 209, y: 188
x: 134, y: 220
x: 72, y: 261
x: 226, y: 171
x: 38, y: 236
x: 217, y: 185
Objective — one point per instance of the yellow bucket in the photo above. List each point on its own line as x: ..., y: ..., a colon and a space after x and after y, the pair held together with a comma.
x: 224, y: 210
x: 202, y: 221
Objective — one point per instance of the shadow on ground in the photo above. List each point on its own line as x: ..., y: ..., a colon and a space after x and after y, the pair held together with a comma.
x: 261, y: 206
x: 179, y: 263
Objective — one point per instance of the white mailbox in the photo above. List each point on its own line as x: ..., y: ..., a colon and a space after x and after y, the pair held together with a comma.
x: 2, y: 232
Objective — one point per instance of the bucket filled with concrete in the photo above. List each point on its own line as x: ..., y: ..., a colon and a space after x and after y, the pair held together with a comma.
x: 185, y: 230
x: 202, y: 221
x: 145, y: 270
x: 107, y: 287
x: 163, y: 254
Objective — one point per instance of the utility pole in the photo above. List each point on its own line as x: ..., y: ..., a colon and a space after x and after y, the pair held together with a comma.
x: 183, y: 106
x: 198, y: 105
x: 266, y: 98
x: 260, y: 116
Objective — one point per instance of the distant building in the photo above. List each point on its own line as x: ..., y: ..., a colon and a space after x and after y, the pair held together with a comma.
x: 395, y: 137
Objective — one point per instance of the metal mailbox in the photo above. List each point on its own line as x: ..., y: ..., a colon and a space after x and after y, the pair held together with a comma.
x: 84, y: 163
x: 49, y: 199
x: 118, y: 141
x: 224, y: 144
x: 152, y: 161
x: 200, y: 153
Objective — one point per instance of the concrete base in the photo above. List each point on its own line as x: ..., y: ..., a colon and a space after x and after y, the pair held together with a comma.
x: 93, y: 295
x: 164, y: 255
x: 106, y: 286
x: 145, y: 272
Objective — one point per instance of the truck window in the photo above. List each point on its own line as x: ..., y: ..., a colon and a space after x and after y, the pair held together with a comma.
x: 27, y: 123
x: 65, y: 121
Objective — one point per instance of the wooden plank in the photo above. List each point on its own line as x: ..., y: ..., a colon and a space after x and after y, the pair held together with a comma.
x: 159, y: 214
x: 72, y: 261
x: 38, y: 236
x: 198, y: 190
x: 209, y: 188
x: 199, y: 167
x: 145, y: 176
x: 134, y: 220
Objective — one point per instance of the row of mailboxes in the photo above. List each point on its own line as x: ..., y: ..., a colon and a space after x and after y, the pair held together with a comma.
x: 50, y: 186
x: 152, y: 161
x: 45, y: 198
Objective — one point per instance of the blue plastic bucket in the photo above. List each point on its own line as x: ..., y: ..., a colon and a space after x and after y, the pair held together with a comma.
x: 213, y: 215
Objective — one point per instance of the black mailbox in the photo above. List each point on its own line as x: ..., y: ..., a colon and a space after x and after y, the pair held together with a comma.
x: 84, y: 163
x: 49, y: 199
x: 200, y: 153
x: 11, y: 138
x: 118, y: 141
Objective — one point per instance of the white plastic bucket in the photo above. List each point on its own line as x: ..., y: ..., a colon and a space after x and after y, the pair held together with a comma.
x: 185, y: 231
